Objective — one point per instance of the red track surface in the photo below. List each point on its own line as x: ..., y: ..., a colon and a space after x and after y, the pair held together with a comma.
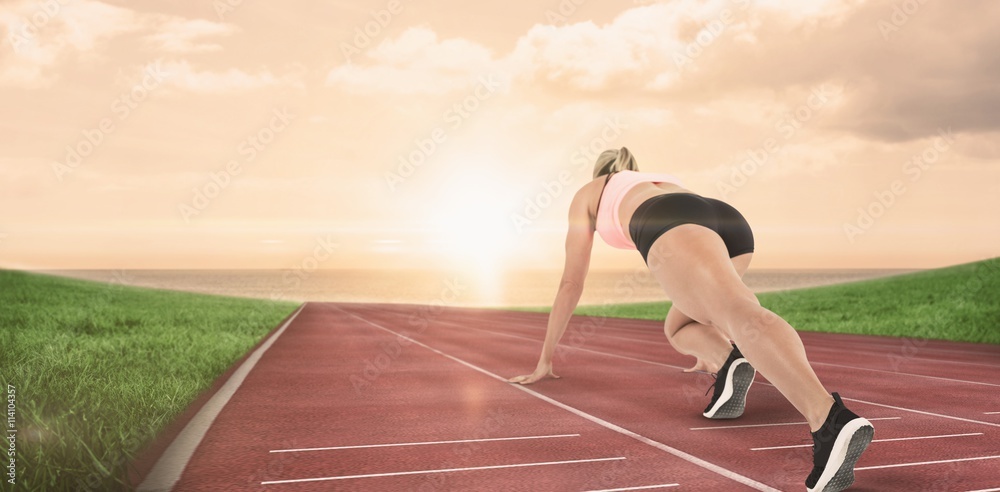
x: 339, y: 377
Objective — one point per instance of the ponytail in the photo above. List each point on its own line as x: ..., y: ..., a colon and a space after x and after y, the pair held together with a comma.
x: 611, y: 161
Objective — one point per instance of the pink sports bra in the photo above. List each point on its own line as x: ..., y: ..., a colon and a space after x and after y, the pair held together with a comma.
x: 616, y: 185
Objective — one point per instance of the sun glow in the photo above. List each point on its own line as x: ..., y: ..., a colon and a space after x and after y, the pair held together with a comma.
x: 471, y: 229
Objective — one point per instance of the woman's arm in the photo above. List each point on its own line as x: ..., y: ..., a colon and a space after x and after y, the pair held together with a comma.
x: 579, y: 242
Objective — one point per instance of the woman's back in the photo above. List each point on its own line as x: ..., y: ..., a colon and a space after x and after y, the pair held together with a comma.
x: 623, y: 192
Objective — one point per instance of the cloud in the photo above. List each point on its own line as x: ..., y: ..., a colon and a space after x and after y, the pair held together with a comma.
x: 179, y: 35
x: 182, y: 75
x: 635, y: 51
x: 640, y: 50
x: 583, y: 55
x: 41, y: 38
x: 910, y: 73
x: 415, y: 63
x: 588, y: 57
x: 37, y: 38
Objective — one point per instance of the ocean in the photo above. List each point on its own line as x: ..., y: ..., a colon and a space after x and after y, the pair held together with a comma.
x: 485, y: 289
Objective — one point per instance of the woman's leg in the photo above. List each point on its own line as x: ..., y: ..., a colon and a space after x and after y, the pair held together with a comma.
x: 692, y: 265
x: 707, y: 343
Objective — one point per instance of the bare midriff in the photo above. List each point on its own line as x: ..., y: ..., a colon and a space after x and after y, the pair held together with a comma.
x: 638, y: 195
x: 633, y: 198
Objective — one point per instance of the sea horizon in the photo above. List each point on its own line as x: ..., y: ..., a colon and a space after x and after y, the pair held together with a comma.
x: 513, y: 288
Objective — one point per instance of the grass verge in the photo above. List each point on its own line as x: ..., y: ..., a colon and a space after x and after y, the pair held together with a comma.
x: 99, y: 369
x: 959, y: 303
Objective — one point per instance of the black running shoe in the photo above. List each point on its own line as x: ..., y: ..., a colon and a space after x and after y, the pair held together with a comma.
x: 731, y: 386
x: 837, y: 445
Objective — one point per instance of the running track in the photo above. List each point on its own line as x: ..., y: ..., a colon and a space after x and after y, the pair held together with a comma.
x: 400, y: 397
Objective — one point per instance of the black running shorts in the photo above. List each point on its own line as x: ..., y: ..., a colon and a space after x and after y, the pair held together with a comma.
x: 661, y: 213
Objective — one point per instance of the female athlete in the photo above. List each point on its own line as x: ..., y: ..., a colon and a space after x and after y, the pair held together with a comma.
x: 698, y: 249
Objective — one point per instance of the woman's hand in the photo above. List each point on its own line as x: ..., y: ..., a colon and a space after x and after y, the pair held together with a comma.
x: 541, y: 372
x: 579, y: 242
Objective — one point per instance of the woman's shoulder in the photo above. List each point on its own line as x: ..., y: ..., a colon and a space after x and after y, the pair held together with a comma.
x: 589, y: 192
x: 589, y: 187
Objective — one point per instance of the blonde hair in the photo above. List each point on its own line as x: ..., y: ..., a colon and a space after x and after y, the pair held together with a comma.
x: 614, y: 160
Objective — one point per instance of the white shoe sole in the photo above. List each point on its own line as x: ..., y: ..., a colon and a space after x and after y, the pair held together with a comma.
x: 734, y: 396
x: 851, y: 442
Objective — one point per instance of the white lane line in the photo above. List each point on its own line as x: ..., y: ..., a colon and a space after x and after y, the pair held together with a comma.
x: 910, y: 410
x: 898, y: 344
x: 365, y: 446
x: 446, y: 470
x: 991, y: 424
x: 988, y: 353
x: 657, y: 338
x: 597, y: 420
x: 561, y: 347
x: 811, y: 361
x: 644, y: 487
x: 764, y: 383
x: 876, y: 440
x: 683, y: 368
x: 894, y: 355
x: 985, y: 490
x: 168, y: 468
x: 890, y: 346
x: 475, y: 320
x: 991, y: 413
x: 928, y: 437
x: 905, y: 374
x: 928, y: 463
x: 770, y: 425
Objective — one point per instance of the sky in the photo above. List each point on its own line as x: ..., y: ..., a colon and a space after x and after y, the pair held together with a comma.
x: 422, y: 134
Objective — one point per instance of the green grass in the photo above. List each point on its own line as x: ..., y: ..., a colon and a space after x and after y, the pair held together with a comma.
x: 960, y: 303
x: 100, y: 369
